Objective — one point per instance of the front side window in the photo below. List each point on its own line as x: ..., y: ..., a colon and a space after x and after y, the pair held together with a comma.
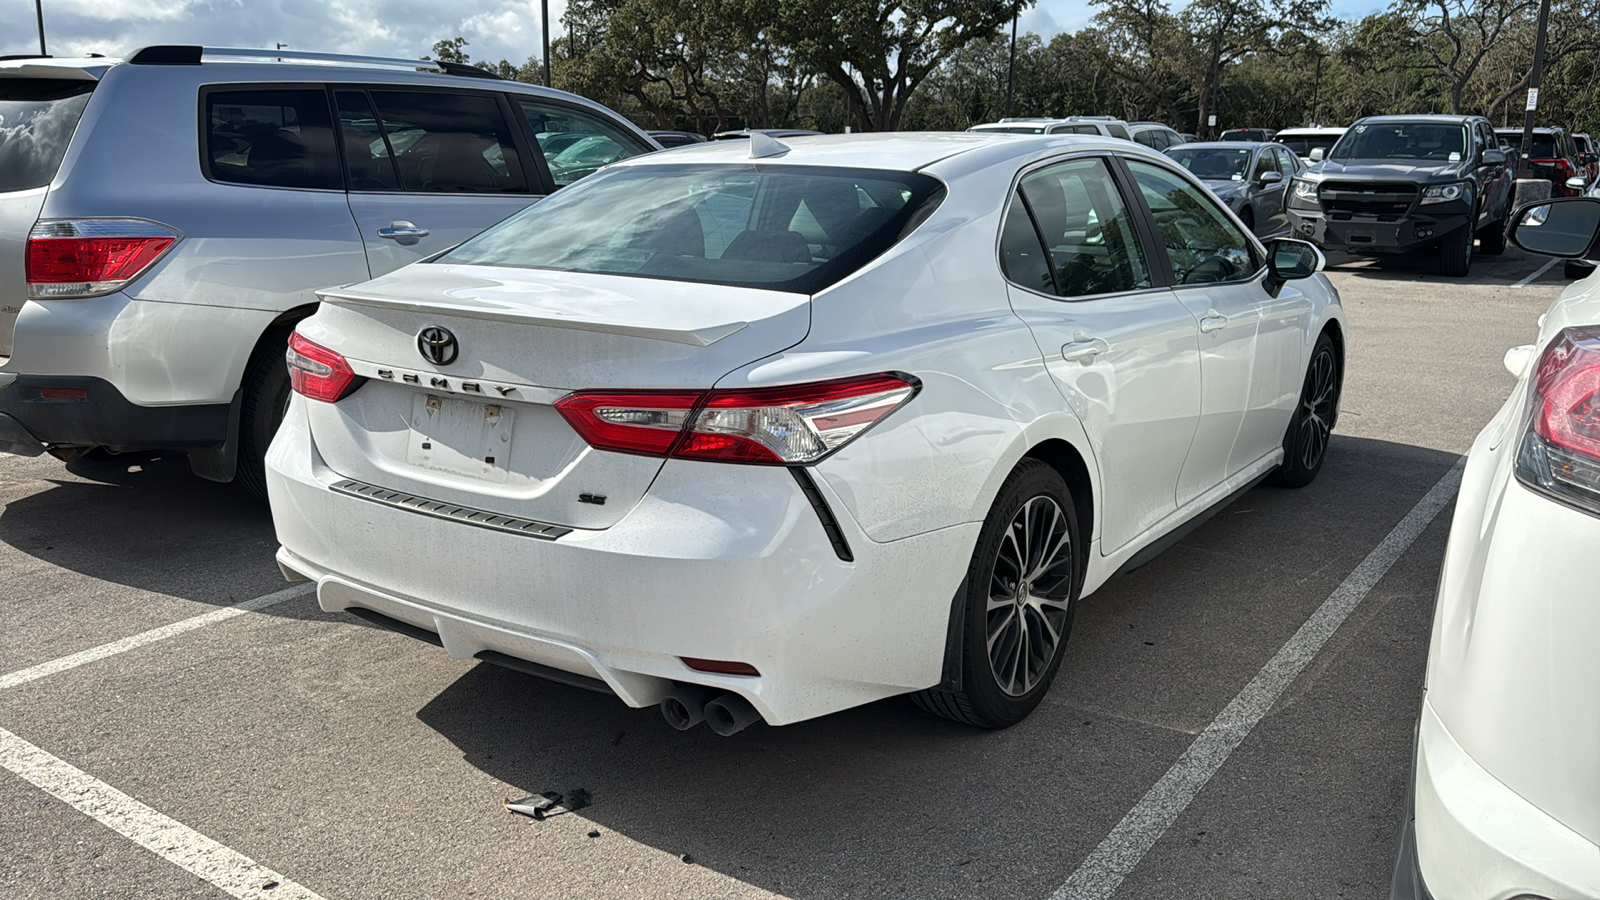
x: 1287, y: 164
x: 1265, y: 162
x: 433, y: 142
x: 37, y: 119
x: 577, y: 143
x: 1403, y: 140
x: 276, y: 137
x: 782, y: 228
x: 1203, y: 244
x: 1086, y: 231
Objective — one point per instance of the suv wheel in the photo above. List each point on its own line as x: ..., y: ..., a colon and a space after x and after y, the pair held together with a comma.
x: 1020, y: 592
x: 266, y: 397
x: 1455, y: 253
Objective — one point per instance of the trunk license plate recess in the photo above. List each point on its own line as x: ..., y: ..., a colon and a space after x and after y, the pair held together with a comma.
x: 461, y: 437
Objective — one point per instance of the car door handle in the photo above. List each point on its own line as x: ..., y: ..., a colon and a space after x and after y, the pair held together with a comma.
x: 1214, y: 321
x: 402, y: 232
x: 1083, y: 348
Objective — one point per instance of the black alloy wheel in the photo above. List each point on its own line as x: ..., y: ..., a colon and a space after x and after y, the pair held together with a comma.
x: 1305, y: 445
x: 1019, y: 596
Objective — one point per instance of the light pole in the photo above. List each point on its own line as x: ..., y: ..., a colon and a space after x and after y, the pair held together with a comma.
x: 544, y: 31
x: 38, y: 6
x: 1535, y: 78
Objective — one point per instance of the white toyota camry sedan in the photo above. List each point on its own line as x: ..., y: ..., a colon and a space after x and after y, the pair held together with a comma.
x: 1506, y: 786
x: 764, y: 431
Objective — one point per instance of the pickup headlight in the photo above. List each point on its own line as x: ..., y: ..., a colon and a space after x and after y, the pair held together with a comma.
x: 1305, y: 190
x: 1443, y: 193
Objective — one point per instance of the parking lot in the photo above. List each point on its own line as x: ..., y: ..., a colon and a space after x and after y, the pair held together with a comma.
x: 347, y: 761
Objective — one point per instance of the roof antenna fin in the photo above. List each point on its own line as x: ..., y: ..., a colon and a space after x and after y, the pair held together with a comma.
x: 762, y: 146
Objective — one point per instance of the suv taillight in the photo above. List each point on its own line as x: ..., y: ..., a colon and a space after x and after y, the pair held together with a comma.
x: 317, y: 372
x: 76, y: 258
x: 792, y: 425
x: 1560, y: 453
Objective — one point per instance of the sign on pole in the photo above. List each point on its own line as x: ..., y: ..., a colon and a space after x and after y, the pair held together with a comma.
x: 1533, y: 98
x: 1211, y: 121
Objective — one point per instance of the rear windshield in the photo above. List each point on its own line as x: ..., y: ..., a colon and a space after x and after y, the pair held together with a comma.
x: 37, y: 118
x: 782, y: 228
x: 1544, y: 145
x: 1302, y: 145
x: 1213, y: 163
x: 1403, y: 140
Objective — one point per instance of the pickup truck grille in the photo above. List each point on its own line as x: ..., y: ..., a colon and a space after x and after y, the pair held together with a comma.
x: 1387, y: 201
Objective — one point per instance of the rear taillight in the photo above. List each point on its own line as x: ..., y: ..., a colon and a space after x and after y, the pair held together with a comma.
x: 316, y: 371
x: 1560, y: 453
x: 74, y: 258
x: 792, y: 425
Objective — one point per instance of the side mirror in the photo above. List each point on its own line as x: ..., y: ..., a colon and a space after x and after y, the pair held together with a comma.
x: 1566, y: 229
x: 1493, y: 157
x: 1517, y: 359
x: 1590, y: 159
x: 1271, y: 177
x: 1577, y: 183
x: 1292, y: 260
x: 1318, y: 154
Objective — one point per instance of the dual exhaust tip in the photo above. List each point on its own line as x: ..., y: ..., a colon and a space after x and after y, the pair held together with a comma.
x: 724, y: 712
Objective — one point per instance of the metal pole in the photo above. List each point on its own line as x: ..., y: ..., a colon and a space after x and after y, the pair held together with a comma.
x: 1316, y: 90
x: 544, y: 29
x: 38, y: 6
x: 1011, y: 70
x: 1535, y: 78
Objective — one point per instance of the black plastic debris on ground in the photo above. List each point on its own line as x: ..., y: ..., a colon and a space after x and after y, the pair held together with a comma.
x: 549, y: 803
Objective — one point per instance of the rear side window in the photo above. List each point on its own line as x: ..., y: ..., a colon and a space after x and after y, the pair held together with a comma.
x: 437, y: 142
x: 1117, y: 131
x: 37, y: 118
x: 577, y: 143
x: 1086, y: 229
x: 277, y: 137
x: 782, y: 228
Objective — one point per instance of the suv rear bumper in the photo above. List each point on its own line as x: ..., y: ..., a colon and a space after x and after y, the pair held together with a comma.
x: 101, y: 417
x: 1368, y: 235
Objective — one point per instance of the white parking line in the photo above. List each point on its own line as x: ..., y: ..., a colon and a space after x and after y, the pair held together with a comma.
x: 23, y: 676
x: 1105, y: 868
x: 162, y: 835
x: 1534, y: 277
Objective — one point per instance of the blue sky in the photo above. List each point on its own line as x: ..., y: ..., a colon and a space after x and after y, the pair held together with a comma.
x: 496, y: 28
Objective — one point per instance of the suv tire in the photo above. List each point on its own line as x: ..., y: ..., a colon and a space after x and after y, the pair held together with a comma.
x: 994, y: 694
x: 1455, y: 253
x: 1492, y: 240
x: 266, y: 396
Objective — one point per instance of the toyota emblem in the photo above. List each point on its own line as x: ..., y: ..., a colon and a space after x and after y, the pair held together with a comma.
x: 437, y: 345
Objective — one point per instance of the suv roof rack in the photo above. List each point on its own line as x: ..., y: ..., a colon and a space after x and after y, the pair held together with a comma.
x: 193, y: 55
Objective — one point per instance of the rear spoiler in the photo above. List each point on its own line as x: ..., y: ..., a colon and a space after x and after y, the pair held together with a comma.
x: 699, y: 337
x: 46, y: 67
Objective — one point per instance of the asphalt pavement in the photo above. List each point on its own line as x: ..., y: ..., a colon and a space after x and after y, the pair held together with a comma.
x: 343, y: 761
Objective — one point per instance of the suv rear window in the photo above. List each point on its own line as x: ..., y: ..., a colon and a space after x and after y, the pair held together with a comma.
x: 37, y: 118
x: 782, y: 228
x: 275, y: 137
x: 1544, y: 145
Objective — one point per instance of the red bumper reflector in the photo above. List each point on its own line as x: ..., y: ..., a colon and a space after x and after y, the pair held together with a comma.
x: 720, y: 666
x: 63, y: 393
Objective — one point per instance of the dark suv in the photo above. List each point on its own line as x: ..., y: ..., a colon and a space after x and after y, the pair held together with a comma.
x: 1395, y: 184
x: 1556, y: 157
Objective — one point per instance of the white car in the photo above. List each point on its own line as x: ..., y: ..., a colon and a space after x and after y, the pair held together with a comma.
x: 1506, y: 787
x: 1311, y: 143
x: 759, y: 430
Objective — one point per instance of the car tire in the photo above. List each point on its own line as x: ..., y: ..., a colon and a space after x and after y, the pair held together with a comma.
x: 1248, y: 217
x: 1305, y: 444
x: 1455, y: 253
x: 266, y: 396
x: 1492, y: 240
x: 1006, y: 654
x: 1575, y: 270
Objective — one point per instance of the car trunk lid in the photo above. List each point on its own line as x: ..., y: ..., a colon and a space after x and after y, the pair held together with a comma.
x: 480, y: 431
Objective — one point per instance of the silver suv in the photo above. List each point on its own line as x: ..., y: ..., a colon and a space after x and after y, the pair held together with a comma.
x: 166, y: 219
x: 1105, y: 126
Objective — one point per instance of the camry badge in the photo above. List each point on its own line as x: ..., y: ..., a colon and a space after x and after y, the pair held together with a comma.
x: 437, y: 345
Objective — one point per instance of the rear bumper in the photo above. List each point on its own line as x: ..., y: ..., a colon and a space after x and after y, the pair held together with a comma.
x: 1476, y: 839
x: 101, y: 417
x: 1368, y: 235
x: 716, y: 562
